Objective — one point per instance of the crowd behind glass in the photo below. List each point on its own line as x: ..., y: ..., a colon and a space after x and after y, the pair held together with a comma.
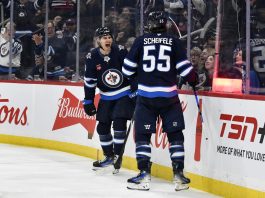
x: 70, y: 25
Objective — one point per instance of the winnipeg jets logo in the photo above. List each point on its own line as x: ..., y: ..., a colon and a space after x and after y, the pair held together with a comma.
x: 4, y: 50
x: 106, y: 59
x: 112, y: 78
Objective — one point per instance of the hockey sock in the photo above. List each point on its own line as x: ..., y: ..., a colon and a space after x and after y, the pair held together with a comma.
x: 119, y: 127
x: 176, y: 149
x: 106, y: 143
x: 119, y: 137
x: 143, y: 155
x: 105, y: 137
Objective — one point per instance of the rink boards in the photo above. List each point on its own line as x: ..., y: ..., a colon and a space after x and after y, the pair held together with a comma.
x: 224, y: 155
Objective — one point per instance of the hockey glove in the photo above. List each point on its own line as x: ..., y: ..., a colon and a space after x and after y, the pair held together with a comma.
x: 89, y: 107
x: 181, y: 82
x: 192, y: 78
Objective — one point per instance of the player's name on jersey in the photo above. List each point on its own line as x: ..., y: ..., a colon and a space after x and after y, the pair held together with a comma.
x: 167, y: 41
x: 257, y: 41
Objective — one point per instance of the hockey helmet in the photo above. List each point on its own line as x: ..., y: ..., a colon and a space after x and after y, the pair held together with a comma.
x: 103, y: 31
x: 157, y: 22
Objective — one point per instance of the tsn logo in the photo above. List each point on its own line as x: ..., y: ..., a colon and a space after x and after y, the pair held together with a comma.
x: 242, y: 126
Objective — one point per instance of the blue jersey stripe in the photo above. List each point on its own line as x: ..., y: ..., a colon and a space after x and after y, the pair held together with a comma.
x: 115, y: 97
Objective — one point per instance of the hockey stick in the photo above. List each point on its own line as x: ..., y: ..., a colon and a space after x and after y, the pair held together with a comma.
x: 35, y: 32
x: 197, y: 102
x: 176, y: 27
x: 202, y: 31
x: 198, y: 136
x: 118, y: 161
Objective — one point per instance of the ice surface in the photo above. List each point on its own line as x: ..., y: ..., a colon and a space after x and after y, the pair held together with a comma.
x: 27, y: 172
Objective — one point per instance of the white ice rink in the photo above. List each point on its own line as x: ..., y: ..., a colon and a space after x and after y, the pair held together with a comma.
x: 27, y: 172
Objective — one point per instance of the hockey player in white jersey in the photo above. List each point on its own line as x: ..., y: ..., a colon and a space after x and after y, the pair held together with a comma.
x: 16, y: 50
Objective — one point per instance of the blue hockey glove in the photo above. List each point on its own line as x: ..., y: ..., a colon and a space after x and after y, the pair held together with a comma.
x: 89, y: 107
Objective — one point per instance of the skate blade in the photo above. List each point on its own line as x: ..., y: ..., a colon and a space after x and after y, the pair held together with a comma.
x: 141, y: 186
x: 102, y: 170
x: 179, y: 186
x: 115, y: 171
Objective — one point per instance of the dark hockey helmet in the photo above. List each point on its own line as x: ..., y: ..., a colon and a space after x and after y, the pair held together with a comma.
x: 157, y: 22
x: 103, y: 31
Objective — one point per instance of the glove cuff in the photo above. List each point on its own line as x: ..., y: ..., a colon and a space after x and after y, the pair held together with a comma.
x: 86, y: 102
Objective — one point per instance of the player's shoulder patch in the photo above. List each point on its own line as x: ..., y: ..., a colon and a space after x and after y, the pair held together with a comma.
x: 121, y: 47
x: 88, y: 56
x: 91, y: 53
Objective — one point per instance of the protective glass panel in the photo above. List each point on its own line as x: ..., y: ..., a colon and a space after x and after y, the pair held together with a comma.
x: 257, y: 48
x: 123, y: 18
x: 203, y: 36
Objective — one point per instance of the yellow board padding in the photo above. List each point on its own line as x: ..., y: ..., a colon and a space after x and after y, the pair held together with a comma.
x: 197, y: 181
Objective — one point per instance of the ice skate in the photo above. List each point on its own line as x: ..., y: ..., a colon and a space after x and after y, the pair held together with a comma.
x: 181, y: 182
x: 104, y: 164
x: 140, y: 182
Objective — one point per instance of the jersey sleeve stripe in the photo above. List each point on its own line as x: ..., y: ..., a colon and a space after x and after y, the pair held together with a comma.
x: 130, y: 63
x: 126, y: 72
x: 182, y: 63
x: 132, y: 69
x: 186, y: 72
x: 90, y: 79
x: 89, y: 85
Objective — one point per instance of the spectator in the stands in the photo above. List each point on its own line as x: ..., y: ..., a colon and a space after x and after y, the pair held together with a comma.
x: 195, y: 54
x: 16, y: 49
x: 206, y: 74
x: 24, y: 13
x: 125, y: 28
x: 56, y: 55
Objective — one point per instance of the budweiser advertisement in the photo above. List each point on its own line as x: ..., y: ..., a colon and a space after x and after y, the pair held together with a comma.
x: 226, y: 146
x: 71, y: 112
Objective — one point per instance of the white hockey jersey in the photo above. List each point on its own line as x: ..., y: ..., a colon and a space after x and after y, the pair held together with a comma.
x: 4, y: 52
